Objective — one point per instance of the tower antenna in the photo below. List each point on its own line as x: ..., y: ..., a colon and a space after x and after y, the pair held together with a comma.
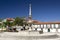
x: 30, y: 14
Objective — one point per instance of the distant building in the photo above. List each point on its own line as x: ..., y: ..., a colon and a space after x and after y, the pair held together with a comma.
x: 8, y: 19
x: 45, y: 26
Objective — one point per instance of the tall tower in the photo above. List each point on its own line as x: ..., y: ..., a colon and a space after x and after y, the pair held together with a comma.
x: 30, y: 14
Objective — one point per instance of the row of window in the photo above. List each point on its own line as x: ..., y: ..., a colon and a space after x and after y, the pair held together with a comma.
x: 47, y: 25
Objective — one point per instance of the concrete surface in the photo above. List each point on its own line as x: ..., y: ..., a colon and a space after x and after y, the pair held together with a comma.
x: 29, y: 36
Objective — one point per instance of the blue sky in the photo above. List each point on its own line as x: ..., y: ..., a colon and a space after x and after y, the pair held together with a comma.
x: 42, y: 10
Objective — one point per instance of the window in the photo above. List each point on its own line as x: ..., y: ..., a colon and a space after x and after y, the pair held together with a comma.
x: 56, y: 25
x: 52, y: 25
x: 41, y: 25
x: 44, y: 25
x: 38, y: 25
x: 48, y: 25
x: 59, y: 26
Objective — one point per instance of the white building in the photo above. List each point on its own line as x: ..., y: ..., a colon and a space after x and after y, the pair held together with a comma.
x: 45, y: 26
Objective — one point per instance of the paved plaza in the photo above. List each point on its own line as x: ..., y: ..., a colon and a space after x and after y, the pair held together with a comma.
x: 28, y: 36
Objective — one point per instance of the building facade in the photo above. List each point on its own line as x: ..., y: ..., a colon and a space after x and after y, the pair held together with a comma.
x: 45, y: 26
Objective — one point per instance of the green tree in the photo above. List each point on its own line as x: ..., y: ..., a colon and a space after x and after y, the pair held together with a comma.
x: 18, y: 21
